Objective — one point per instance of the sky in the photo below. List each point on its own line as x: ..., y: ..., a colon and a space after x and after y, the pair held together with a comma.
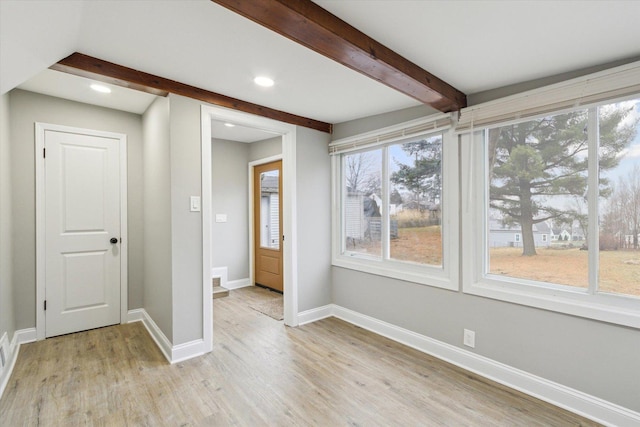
x: 631, y: 156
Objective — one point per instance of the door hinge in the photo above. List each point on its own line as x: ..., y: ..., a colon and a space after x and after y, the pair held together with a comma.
x: 44, y: 153
x: 45, y: 305
x: 283, y: 237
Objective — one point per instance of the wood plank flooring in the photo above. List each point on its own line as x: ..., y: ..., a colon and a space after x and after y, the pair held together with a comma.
x: 260, y: 373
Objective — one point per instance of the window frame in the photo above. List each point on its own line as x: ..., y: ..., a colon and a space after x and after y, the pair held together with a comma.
x: 584, y: 302
x: 445, y: 276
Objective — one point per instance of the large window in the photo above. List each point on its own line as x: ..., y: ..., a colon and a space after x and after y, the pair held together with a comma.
x: 574, y: 176
x: 533, y: 198
x: 537, y: 184
x: 391, y: 198
x: 409, y: 224
x: 619, y: 198
x: 362, y: 202
x: 538, y: 179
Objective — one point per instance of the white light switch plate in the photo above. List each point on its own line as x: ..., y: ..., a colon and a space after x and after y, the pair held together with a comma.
x: 221, y: 217
x: 195, y: 204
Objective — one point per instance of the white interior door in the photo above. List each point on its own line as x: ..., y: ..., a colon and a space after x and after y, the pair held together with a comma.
x: 82, y: 231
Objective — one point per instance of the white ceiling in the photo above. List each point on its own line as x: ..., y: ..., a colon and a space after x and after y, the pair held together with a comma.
x: 473, y: 45
x: 63, y: 85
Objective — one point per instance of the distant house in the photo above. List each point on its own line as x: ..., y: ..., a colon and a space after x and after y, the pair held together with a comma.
x: 360, y: 210
x: 560, y: 234
x: 506, y: 235
x: 566, y: 233
x: 362, y: 217
x: 629, y: 241
x: 269, y: 211
x: 577, y: 234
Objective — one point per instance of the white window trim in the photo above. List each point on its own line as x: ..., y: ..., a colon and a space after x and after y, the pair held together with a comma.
x: 445, y: 276
x: 612, y: 85
x: 583, y: 302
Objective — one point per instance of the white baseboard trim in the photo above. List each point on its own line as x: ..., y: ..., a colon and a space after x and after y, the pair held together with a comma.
x: 10, y: 356
x: 222, y: 273
x: 237, y: 284
x: 11, y: 350
x: 161, y: 340
x: 24, y: 336
x: 591, y: 407
x: 188, y: 350
x: 136, y: 315
x: 315, y: 314
x: 173, y: 353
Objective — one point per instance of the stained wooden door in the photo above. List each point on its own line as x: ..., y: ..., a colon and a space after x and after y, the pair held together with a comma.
x: 82, y: 234
x: 267, y: 213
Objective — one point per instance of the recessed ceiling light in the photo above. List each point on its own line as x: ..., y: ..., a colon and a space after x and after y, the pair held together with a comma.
x: 229, y: 125
x: 263, y: 81
x: 100, y: 88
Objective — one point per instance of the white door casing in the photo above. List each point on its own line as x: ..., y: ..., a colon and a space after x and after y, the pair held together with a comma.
x: 289, y: 211
x: 80, y: 211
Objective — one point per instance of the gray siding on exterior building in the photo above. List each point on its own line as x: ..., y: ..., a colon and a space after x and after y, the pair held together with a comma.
x: 502, y: 235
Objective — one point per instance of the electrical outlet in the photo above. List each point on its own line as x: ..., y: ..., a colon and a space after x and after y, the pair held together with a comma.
x: 469, y: 338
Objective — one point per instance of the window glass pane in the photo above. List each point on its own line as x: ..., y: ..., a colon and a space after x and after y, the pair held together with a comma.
x: 415, y: 192
x: 270, y: 209
x: 619, y: 158
x: 537, y: 175
x: 362, y: 201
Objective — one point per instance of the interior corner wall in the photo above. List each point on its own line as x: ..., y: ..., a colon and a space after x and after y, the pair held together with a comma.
x: 186, y: 226
x: 594, y: 357
x: 230, y: 193
x: 7, y: 324
x: 27, y: 108
x: 157, y: 289
x: 313, y: 202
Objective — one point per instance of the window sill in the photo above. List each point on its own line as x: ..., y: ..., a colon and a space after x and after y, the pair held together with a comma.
x: 424, y: 275
x: 616, y: 309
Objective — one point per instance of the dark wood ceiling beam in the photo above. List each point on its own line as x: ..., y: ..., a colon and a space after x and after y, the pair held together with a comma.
x: 108, y: 72
x: 314, y: 27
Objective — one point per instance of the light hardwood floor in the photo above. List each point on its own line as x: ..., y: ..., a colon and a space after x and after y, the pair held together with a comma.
x: 260, y: 373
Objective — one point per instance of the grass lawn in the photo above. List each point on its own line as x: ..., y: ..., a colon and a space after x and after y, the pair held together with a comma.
x: 419, y: 244
x: 619, y: 270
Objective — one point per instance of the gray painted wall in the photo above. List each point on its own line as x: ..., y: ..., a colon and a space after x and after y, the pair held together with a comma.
x: 594, y: 357
x: 6, y: 281
x: 26, y: 108
x: 313, y: 193
x: 186, y: 226
x: 230, y: 189
x: 267, y: 148
x: 371, y: 123
x: 157, y: 215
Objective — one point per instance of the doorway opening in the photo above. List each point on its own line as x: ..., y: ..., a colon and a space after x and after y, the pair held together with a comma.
x: 214, y: 211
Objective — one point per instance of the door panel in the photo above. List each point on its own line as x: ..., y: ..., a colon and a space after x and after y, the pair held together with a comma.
x: 267, y: 224
x: 82, y: 209
x: 77, y: 290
